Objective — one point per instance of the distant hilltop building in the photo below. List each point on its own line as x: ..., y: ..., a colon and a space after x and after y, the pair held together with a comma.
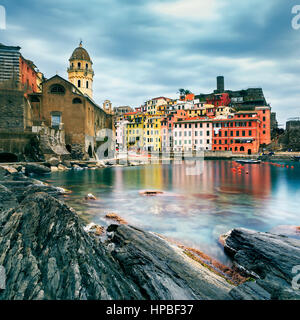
x: 246, y: 99
x: 80, y: 71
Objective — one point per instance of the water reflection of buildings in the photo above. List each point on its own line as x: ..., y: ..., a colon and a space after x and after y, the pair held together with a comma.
x: 218, y: 176
x: 152, y: 177
x: 202, y: 177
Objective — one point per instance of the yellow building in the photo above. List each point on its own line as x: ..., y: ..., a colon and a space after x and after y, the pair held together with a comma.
x: 197, y: 112
x: 152, y: 133
x: 135, y: 132
x: 155, y: 103
x: 223, y: 111
x: 80, y: 71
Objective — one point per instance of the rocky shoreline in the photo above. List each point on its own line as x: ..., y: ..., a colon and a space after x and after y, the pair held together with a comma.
x: 48, y: 253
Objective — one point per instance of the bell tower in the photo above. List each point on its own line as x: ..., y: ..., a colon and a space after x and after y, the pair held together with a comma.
x: 80, y: 71
x: 107, y: 107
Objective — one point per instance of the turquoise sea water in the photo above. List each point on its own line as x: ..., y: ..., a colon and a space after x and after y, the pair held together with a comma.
x: 200, y: 201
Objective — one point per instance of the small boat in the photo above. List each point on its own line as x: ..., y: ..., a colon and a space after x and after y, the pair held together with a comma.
x: 296, y: 158
x: 248, y: 161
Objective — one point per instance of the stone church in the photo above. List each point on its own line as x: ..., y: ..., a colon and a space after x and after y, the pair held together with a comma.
x: 69, y: 105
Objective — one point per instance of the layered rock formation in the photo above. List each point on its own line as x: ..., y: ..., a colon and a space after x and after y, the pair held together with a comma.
x: 271, y: 260
x: 48, y: 255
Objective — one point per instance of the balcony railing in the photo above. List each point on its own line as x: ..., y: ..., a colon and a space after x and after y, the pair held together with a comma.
x: 80, y: 70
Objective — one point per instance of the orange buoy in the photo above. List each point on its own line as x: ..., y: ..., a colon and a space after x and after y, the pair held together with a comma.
x: 292, y: 167
x: 287, y: 166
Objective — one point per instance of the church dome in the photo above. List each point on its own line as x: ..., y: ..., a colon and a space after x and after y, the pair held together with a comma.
x: 80, y: 54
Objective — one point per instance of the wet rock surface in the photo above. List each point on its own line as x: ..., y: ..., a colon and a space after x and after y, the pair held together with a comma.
x: 7, y: 199
x: 269, y: 259
x: 48, y: 255
x: 162, y: 271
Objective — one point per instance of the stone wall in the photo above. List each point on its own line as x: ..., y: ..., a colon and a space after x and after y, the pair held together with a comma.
x: 13, y: 110
x: 20, y: 144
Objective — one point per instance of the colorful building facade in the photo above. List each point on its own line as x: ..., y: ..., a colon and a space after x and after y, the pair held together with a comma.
x: 239, y: 134
x: 193, y: 134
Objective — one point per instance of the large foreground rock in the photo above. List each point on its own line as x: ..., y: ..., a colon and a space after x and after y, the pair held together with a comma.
x: 268, y: 258
x: 48, y: 255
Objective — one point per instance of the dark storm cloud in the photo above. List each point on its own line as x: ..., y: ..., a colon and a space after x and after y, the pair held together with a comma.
x: 142, y: 49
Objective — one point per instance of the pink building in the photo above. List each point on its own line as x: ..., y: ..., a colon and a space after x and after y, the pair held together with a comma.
x: 192, y: 134
x: 167, y: 127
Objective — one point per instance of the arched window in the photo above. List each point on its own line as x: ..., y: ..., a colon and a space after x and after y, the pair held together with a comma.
x: 87, y: 66
x: 87, y: 84
x: 79, y: 84
x: 79, y: 65
x: 242, y: 149
x: 76, y: 100
x: 57, y: 88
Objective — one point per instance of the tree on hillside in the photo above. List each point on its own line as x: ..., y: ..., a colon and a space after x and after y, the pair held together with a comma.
x: 181, y: 91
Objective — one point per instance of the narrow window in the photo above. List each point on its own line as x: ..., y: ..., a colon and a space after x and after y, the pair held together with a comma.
x: 79, y: 83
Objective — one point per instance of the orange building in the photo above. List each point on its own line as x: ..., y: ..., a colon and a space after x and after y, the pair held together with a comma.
x: 245, y: 132
x: 189, y: 97
x: 264, y: 115
x: 239, y: 134
x: 28, y: 76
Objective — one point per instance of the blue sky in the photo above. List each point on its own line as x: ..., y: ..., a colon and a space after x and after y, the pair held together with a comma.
x: 147, y: 48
